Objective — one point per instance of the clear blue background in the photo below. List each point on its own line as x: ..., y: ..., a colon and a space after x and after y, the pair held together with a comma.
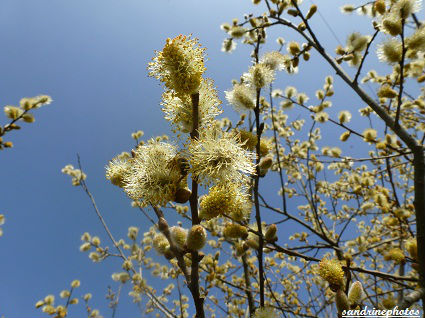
x: 91, y: 57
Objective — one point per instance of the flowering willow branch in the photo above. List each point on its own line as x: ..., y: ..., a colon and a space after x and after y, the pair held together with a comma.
x: 163, y: 227
x: 150, y: 295
x: 259, y: 130
x: 416, y: 148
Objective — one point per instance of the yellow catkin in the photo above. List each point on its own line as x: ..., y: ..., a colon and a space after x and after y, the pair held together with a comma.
x: 235, y: 231
x: 355, y: 294
x: 196, y: 238
x: 332, y: 272
x: 179, y: 65
x: 396, y: 255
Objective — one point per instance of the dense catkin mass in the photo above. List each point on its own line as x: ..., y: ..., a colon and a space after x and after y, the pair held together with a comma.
x: 241, y: 97
x: 118, y: 168
x: 153, y: 176
x: 402, y: 9
x: 196, y: 238
x: 332, y: 272
x: 369, y: 135
x: 248, y: 139
x: 390, y: 51
x: 325, y: 193
x: 259, y: 75
x: 160, y: 243
x: 233, y: 231
x: 178, y: 236
x: 412, y: 248
x: 357, y: 42
x: 274, y: 60
x: 225, y: 199
x: 386, y: 92
x: 220, y: 157
x: 396, y: 255
x: 179, y: 65
x: 178, y: 107
x: 417, y: 40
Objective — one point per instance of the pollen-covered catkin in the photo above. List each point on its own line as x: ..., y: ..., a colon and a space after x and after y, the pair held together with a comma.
x: 332, y: 272
x: 179, y: 65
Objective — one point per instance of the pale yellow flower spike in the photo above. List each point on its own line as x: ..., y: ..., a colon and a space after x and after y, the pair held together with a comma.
x: 220, y: 157
x: 178, y: 108
x: 179, y: 65
x: 225, y: 199
x: 116, y: 170
x: 332, y: 272
x: 153, y: 177
x: 241, y: 97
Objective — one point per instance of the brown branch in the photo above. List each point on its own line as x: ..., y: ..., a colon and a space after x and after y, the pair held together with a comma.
x: 282, y: 183
x: 400, y: 93
x: 193, y: 200
x: 164, y: 228
x: 248, y: 291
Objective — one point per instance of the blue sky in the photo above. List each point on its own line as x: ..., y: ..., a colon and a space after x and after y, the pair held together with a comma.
x: 91, y: 57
